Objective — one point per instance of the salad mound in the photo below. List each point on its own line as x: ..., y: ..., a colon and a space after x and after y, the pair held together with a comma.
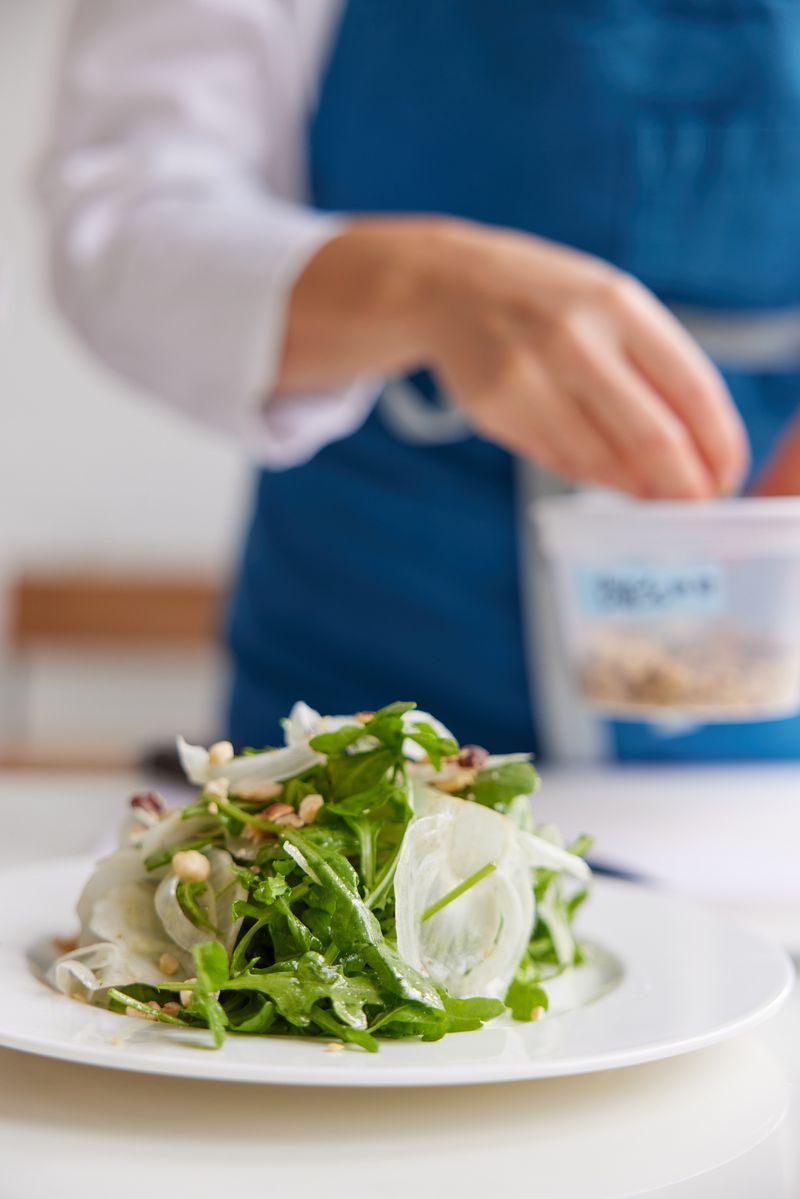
x: 369, y: 879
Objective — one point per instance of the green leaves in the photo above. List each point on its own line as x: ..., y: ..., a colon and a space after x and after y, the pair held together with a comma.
x: 435, y: 747
x: 467, y: 1015
x: 316, y: 952
x: 211, y: 964
x: 526, y: 999
x: 188, y: 895
x: 270, y: 889
x: 334, y: 743
x: 496, y: 786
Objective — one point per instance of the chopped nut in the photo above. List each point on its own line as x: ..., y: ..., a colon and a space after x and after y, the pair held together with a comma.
x: 168, y: 964
x: 217, y: 787
x: 282, y: 813
x: 172, y: 1009
x: 364, y: 717
x: 155, y: 1005
x: 455, y: 780
x: 149, y: 801
x: 65, y: 944
x: 473, y: 756
x: 277, y: 812
x: 191, y: 866
x: 262, y: 792
x: 309, y: 808
x: 220, y: 752
x: 293, y: 821
x: 537, y: 1013
x: 213, y: 807
x: 334, y: 1047
x: 728, y: 669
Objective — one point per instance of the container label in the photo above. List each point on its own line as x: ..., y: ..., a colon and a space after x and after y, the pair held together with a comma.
x: 694, y: 589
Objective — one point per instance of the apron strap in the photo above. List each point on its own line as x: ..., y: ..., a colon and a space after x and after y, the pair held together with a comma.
x: 759, y: 343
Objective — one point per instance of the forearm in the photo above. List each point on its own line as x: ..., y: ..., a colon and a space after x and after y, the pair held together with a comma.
x: 362, y: 306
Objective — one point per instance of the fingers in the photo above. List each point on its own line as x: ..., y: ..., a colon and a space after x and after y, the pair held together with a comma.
x: 533, y: 419
x: 678, y: 370
x: 589, y: 350
x: 651, y: 439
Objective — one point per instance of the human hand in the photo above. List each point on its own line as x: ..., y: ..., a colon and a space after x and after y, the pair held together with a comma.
x: 563, y: 359
x: 553, y: 354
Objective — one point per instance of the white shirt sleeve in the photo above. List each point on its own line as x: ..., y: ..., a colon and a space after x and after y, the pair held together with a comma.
x: 175, y: 186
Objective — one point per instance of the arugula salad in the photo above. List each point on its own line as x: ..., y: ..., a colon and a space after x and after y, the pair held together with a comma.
x: 369, y: 879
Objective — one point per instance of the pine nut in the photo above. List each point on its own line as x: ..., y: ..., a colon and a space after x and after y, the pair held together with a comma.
x: 191, y: 866
x: 220, y: 752
x: 309, y: 808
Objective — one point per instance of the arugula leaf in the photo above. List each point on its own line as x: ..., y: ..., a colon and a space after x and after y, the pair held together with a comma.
x: 211, y: 964
x: 352, y: 773
x: 334, y: 743
x: 466, y: 1015
x: 270, y: 889
x: 525, y: 998
x: 187, y: 895
x: 355, y: 1036
x: 399, y: 978
x: 398, y: 708
x: 435, y: 747
x: 257, y: 1017
x: 310, y: 979
x: 496, y: 786
x: 213, y: 1013
x: 371, y: 800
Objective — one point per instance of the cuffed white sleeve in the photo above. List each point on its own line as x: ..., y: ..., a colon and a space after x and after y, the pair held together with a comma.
x: 174, y: 187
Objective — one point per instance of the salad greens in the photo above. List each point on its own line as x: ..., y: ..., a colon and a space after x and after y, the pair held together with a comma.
x: 367, y: 880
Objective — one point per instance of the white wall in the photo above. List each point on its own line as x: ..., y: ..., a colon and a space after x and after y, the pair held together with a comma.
x: 90, y: 471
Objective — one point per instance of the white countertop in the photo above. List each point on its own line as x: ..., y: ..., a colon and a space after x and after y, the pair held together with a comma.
x: 721, y: 1123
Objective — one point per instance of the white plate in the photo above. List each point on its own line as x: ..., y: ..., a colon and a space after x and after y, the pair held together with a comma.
x: 671, y: 978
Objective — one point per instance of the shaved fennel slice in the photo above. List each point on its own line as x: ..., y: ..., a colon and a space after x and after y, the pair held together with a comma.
x: 176, y: 923
x: 541, y: 852
x: 223, y: 890
x: 122, y: 939
x: 472, y: 946
x: 303, y: 723
x: 553, y: 914
x: 273, y: 766
x: 171, y: 831
x: 227, y: 891
x: 87, y: 972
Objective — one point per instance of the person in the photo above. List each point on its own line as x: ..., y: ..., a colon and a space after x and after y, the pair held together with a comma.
x: 399, y: 247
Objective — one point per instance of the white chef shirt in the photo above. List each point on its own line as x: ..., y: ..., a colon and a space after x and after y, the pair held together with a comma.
x: 176, y: 187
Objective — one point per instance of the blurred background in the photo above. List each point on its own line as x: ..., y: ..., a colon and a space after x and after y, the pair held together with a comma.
x: 118, y: 520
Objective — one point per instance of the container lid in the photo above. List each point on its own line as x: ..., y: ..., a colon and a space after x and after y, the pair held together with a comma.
x: 598, y: 524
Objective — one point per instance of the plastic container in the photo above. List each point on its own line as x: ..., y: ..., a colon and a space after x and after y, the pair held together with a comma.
x: 678, y: 611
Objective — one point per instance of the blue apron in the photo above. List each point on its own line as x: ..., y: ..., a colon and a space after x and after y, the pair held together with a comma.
x: 661, y: 135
